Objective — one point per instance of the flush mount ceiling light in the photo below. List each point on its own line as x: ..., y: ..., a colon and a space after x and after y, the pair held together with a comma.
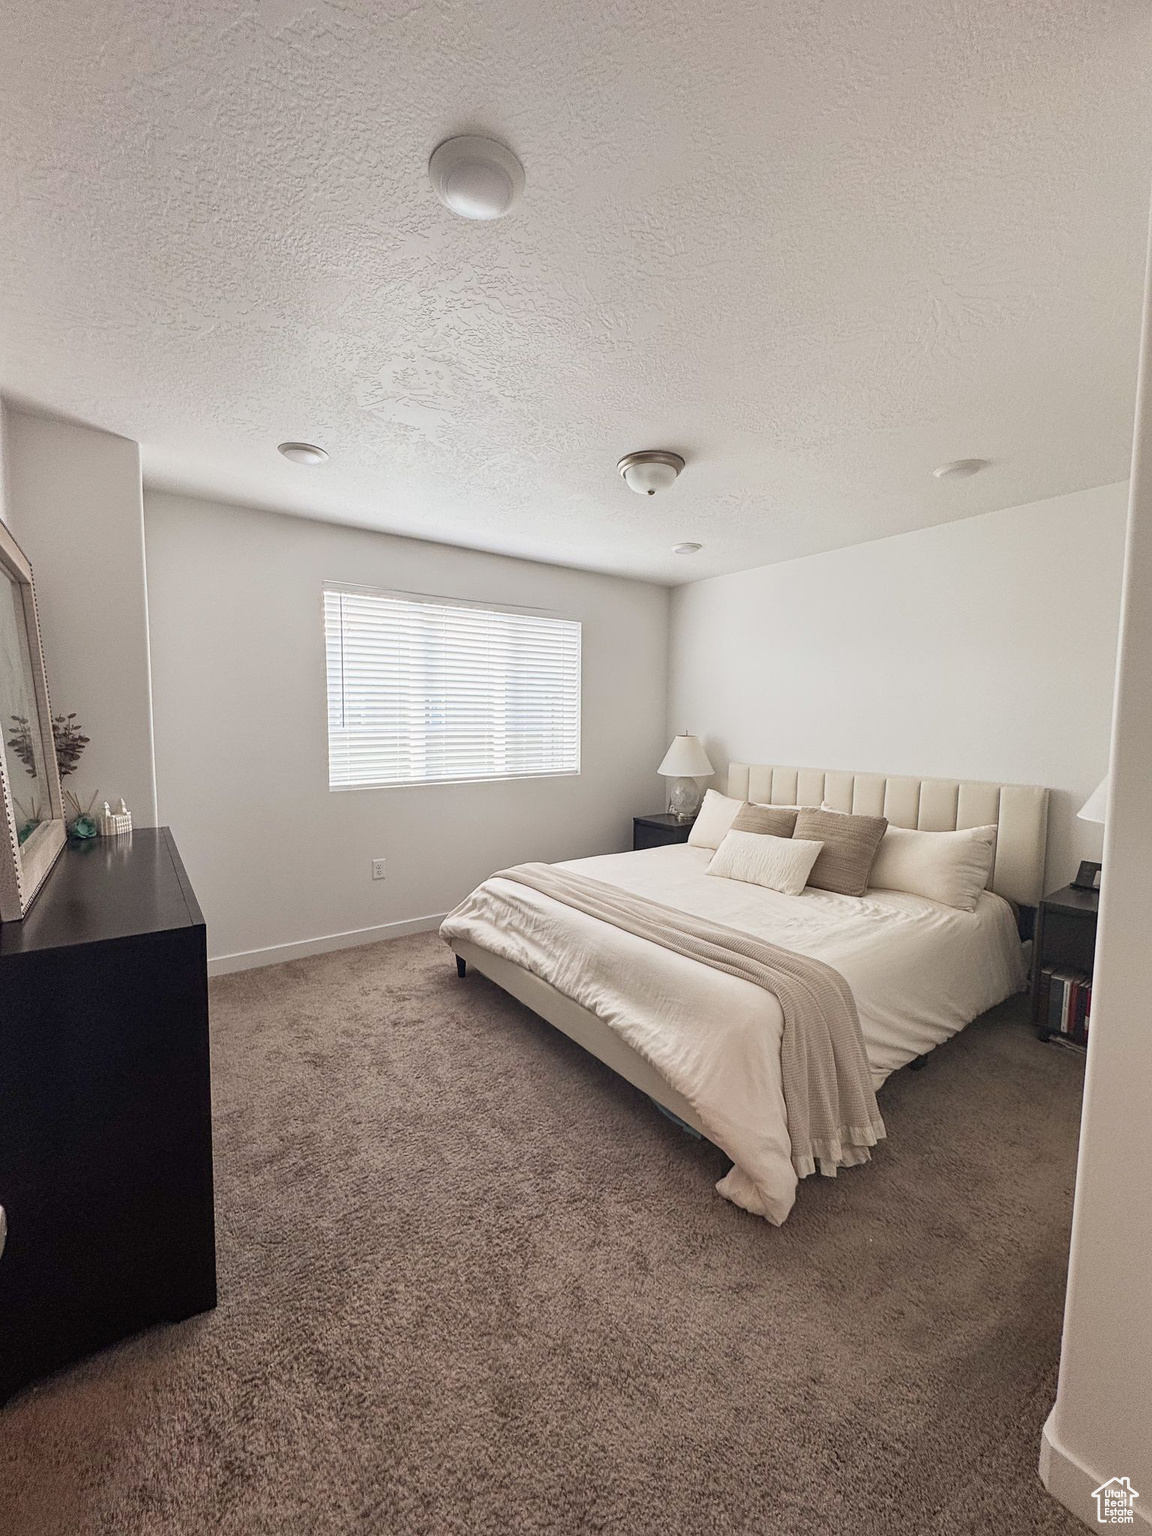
x: 651, y: 470
x: 686, y: 549
x: 302, y: 453
x: 475, y: 177
x: 959, y: 469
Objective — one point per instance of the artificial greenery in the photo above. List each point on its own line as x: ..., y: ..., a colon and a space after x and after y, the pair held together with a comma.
x: 21, y: 743
x: 70, y: 743
x: 69, y: 739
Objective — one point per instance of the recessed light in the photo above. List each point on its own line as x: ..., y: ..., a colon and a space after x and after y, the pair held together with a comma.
x: 303, y: 453
x: 959, y: 469
x: 686, y: 549
x: 650, y: 470
x: 476, y: 177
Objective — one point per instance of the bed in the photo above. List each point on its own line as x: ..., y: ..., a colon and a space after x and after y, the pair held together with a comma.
x: 706, y: 1046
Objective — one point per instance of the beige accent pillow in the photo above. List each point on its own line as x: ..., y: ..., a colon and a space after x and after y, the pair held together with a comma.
x: 949, y: 867
x: 767, y: 820
x: 850, y: 844
x: 779, y: 863
x: 716, y: 815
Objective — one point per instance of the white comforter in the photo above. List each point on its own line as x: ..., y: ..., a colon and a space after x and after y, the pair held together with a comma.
x: 919, y: 972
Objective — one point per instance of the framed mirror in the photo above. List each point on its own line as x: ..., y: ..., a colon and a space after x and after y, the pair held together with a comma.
x: 32, y: 830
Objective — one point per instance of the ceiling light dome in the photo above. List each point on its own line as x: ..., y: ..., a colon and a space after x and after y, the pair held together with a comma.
x: 303, y: 453
x: 650, y: 470
x: 687, y: 548
x: 475, y: 177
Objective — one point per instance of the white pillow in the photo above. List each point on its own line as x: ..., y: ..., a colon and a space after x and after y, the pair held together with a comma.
x: 781, y: 863
x: 949, y: 867
x: 716, y: 815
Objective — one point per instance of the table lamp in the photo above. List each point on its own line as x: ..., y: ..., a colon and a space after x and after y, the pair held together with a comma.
x: 684, y: 762
x: 1093, y: 809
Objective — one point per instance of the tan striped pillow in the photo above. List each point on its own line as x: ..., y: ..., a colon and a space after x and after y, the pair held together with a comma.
x: 850, y: 845
x: 768, y: 820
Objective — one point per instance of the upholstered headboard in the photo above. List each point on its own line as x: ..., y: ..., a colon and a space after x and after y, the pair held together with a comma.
x: 1019, y: 811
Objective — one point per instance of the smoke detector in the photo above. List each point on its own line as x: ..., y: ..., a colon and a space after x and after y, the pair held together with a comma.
x: 303, y: 453
x: 960, y: 469
x: 650, y: 470
x: 475, y: 177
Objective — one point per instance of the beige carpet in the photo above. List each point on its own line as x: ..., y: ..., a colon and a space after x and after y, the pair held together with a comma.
x: 471, y: 1282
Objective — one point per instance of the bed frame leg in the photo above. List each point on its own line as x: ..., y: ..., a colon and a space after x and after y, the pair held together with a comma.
x: 461, y: 966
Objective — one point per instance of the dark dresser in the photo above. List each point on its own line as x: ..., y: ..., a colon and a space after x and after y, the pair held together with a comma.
x: 105, y: 1106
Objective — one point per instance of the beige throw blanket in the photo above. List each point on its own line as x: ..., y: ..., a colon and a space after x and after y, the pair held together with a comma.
x: 833, y: 1118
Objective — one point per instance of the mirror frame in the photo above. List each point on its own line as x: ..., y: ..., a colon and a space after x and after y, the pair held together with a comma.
x: 24, y: 866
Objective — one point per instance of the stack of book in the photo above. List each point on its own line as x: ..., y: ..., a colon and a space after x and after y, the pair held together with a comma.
x: 1065, y: 1003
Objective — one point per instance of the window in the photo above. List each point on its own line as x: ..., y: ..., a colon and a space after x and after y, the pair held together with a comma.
x: 428, y: 690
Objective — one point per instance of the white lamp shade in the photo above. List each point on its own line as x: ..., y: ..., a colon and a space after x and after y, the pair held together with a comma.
x: 685, y: 759
x: 1096, y: 804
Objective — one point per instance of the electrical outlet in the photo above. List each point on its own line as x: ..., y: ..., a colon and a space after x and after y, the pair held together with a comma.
x: 378, y: 869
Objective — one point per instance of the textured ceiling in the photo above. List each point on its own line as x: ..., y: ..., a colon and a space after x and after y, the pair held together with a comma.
x: 816, y: 247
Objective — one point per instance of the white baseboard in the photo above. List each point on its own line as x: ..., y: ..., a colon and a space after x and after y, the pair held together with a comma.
x: 1067, y: 1478
x: 276, y: 954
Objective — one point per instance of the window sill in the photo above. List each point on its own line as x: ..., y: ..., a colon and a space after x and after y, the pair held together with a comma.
x: 495, y: 778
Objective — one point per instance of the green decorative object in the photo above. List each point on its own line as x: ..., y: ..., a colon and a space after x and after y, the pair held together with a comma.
x: 83, y: 824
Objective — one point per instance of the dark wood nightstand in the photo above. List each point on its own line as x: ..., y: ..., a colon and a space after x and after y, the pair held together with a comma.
x: 655, y: 831
x: 1065, y: 941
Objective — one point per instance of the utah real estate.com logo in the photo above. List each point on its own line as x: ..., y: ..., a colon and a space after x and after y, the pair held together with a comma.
x: 1114, y: 1501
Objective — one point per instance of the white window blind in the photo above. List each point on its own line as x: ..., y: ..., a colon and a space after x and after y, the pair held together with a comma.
x: 425, y: 691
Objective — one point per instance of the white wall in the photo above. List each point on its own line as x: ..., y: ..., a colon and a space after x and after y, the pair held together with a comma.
x: 73, y: 503
x: 5, y: 413
x: 241, y: 735
x: 1101, y: 1426
x: 983, y: 649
